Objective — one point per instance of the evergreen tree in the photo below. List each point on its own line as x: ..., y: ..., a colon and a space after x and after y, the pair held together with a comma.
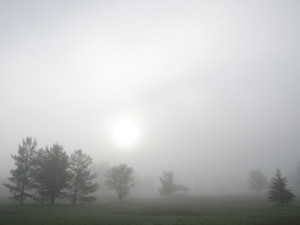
x: 120, y: 179
x: 42, y: 194
x: 21, y: 176
x: 278, y: 192
x: 167, y: 181
x: 52, y: 175
x: 81, y: 184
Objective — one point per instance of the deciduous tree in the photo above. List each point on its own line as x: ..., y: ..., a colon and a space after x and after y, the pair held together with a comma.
x: 167, y: 183
x: 257, y: 180
x: 120, y: 179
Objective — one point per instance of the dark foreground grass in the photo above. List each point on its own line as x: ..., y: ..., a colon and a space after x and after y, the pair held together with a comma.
x: 189, y: 210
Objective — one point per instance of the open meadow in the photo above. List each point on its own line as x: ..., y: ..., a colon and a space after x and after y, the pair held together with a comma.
x: 181, y: 210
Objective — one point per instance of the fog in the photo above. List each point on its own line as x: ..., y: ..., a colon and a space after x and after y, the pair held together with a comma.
x: 212, y: 87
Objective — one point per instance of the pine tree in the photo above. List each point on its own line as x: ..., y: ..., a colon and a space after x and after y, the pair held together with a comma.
x: 21, y: 176
x: 42, y: 194
x: 278, y: 192
x: 51, y: 175
x: 81, y: 184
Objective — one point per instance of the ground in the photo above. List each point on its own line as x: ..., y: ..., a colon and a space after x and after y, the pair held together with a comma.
x: 168, y: 211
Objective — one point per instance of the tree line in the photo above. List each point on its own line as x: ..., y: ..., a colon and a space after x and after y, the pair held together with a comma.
x: 50, y: 173
x: 277, y: 193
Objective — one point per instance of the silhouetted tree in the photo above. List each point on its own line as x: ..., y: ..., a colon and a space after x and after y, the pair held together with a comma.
x: 167, y: 181
x: 278, y: 192
x: 21, y: 176
x: 120, y: 179
x: 52, y: 175
x: 257, y: 180
x: 81, y: 184
x: 40, y: 177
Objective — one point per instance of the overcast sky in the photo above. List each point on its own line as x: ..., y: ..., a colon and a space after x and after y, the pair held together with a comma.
x: 212, y: 86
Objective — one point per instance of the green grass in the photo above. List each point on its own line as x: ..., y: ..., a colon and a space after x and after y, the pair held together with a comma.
x: 189, y: 210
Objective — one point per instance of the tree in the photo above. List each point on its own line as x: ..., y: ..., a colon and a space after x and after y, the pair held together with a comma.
x: 81, y: 183
x: 257, y: 180
x: 278, y: 192
x: 21, y: 176
x: 167, y: 181
x: 52, y: 175
x: 182, y: 189
x: 120, y: 179
x: 40, y: 178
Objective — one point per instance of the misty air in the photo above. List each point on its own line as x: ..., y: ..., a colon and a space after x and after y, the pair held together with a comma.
x: 149, y: 112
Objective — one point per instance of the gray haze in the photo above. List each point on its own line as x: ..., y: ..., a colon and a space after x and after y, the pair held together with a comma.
x: 213, y: 86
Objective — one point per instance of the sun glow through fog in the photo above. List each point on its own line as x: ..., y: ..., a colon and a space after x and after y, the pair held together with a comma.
x: 125, y: 133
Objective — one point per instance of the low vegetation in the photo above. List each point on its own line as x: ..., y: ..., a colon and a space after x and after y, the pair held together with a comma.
x: 172, y: 211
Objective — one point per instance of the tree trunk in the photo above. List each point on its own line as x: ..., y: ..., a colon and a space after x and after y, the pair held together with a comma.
x: 52, y: 200
x: 42, y: 194
x: 22, y: 192
x: 75, y: 194
x: 119, y: 196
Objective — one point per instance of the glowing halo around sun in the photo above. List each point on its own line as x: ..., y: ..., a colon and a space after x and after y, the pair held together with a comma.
x: 125, y: 133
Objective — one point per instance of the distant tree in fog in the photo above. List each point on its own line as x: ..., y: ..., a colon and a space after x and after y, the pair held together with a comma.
x: 21, y: 176
x: 81, y: 184
x: 120, y: 179
x: 257, y: 180
x: 167, y: 183
x: 182, y: 189
x: 278, y: 192
x: 101, y: 168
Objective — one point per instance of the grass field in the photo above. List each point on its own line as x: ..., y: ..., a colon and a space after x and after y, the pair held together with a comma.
x: 188, y: 210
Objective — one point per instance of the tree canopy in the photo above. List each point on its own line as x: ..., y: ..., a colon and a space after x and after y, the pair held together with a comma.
x: 49, y: 173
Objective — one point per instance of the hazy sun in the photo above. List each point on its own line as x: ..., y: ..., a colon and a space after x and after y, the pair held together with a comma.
x: 125, y: 133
